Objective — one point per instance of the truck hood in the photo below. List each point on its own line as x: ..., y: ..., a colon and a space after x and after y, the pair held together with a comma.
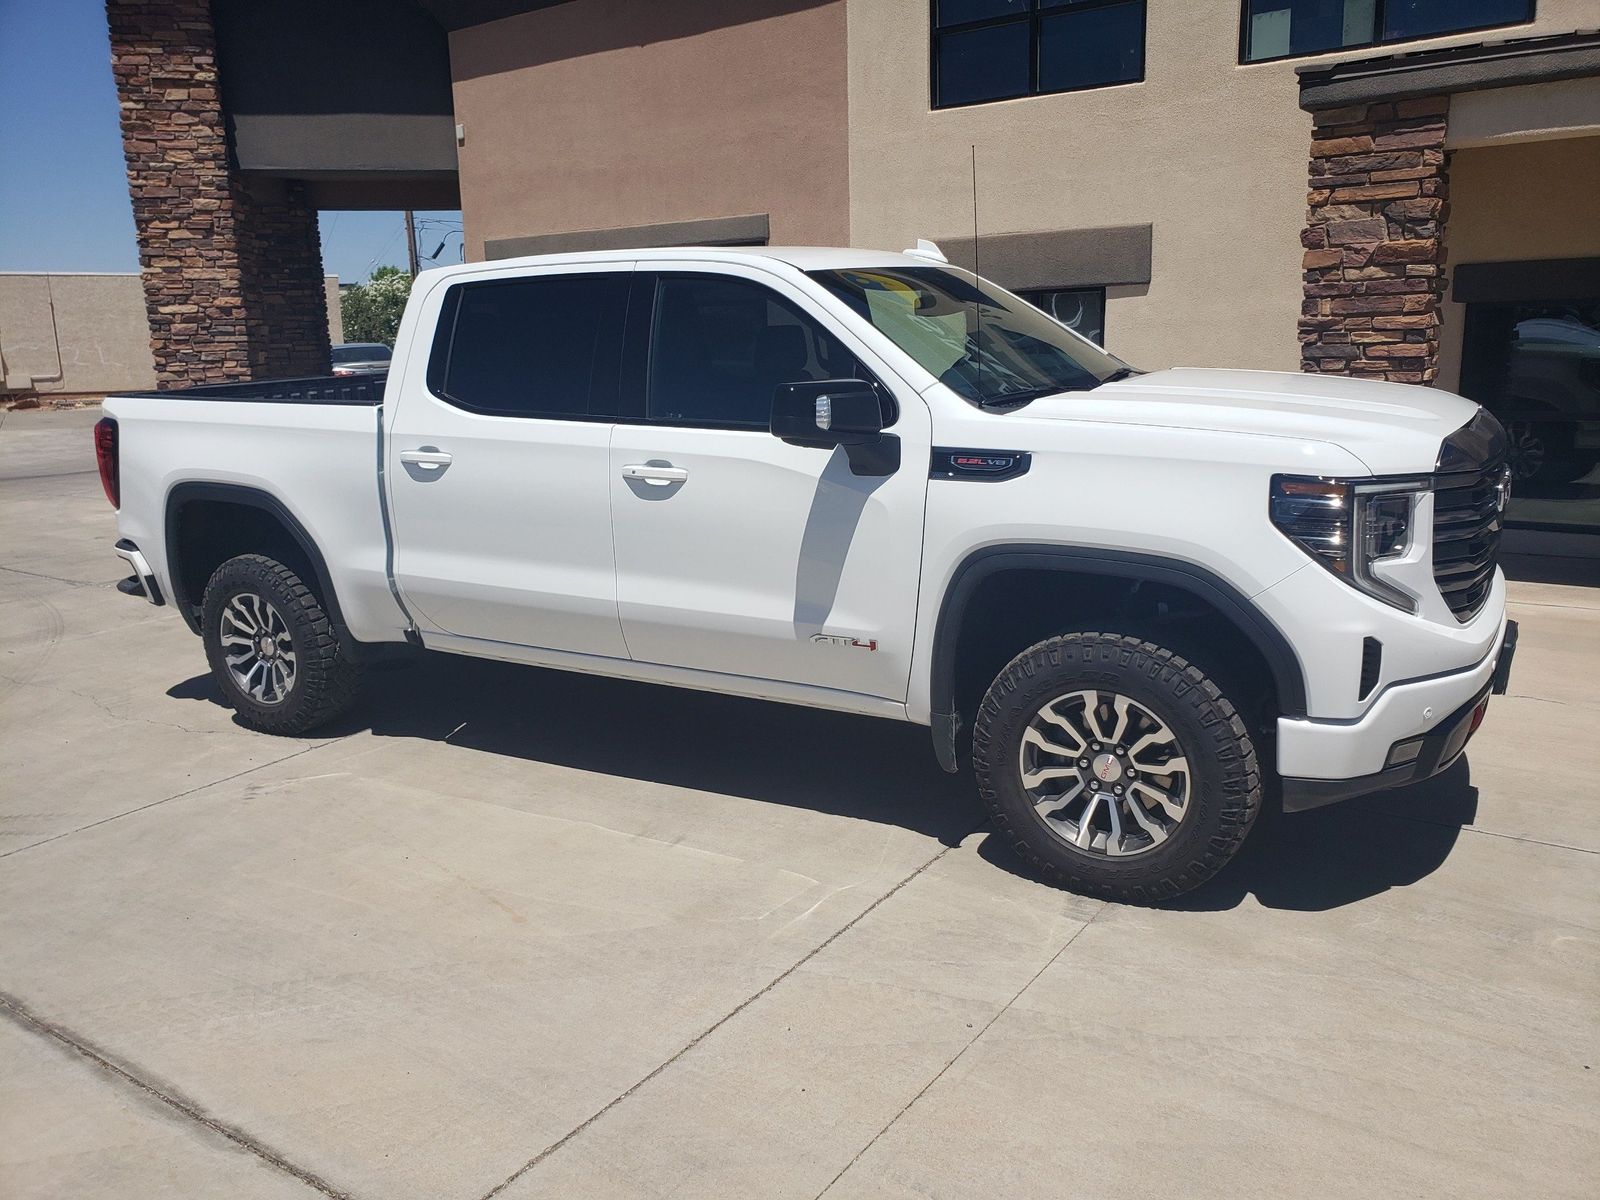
x: 1393, y: 428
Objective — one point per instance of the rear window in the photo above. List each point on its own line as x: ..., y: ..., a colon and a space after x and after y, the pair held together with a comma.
x: 361, y: 352
x: 539, y: 347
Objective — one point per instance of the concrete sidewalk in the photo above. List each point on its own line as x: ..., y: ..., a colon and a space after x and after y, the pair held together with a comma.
x: 514, y: 933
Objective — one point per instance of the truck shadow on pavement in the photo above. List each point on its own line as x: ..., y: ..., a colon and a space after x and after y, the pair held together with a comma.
x: 1331, y: 857
x: 869, y: 769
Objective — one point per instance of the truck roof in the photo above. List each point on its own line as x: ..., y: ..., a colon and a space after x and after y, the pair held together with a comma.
x: 804, y: 258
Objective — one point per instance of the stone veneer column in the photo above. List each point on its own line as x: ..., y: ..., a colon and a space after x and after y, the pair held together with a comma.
x: 1374, y: 241
x: 232, y: 280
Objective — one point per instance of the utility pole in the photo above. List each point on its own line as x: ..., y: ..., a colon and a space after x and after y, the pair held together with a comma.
x: 411, y: 242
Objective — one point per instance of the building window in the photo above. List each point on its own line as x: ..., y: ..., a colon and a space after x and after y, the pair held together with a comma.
x: 1536, y: 366
x: 1082, y: 310
x: 987, y: 50
x: 1288, y: 28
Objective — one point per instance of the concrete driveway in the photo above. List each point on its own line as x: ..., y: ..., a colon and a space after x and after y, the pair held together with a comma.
x: 512, y: 933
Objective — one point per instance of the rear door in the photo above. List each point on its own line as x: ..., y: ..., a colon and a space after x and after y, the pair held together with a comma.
x: 497, y: 461
x: 737, y: 552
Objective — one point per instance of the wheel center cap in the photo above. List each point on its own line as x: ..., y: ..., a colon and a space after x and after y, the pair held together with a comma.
x: 268, y: 647
x: 1106, y: 768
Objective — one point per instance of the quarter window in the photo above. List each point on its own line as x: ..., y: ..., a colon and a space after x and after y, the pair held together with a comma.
x: 546, y: 346
x: 722, y: 346
x: 1286, y: 28
x: 987, y: 50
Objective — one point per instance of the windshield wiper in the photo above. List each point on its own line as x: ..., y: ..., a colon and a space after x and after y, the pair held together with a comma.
x: 1119, y: 374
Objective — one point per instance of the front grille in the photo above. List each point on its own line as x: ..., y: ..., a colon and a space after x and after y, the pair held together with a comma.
x: 1466, y: 537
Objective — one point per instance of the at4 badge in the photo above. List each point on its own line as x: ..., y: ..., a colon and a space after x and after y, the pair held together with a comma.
x: 845, y: 640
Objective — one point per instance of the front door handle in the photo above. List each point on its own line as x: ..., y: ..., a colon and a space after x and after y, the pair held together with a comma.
x: 655, y: 473
x: 431, y: 460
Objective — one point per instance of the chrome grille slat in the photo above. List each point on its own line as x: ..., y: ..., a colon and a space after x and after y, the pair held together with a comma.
x: 1466, y: 537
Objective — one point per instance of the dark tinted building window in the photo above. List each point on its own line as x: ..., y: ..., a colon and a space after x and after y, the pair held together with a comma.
x: 1536, y: 366
x: 999, y: 49
x: 540, y: 347
x: 1284, y: 28
x: 720, y: 348
x: 1082, y: 310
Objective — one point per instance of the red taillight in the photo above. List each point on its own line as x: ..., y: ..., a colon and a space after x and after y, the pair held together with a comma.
x: 105, y: 453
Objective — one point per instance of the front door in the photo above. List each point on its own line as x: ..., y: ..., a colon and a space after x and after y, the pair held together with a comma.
x: 738, y: 553
x: 497, y: 462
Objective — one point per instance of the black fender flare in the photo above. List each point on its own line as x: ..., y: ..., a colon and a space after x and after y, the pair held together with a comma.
x: 181, y: 494
x: 1288, y: 676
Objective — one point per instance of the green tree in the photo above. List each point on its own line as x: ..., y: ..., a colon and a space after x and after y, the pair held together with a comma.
x: 371, y: 311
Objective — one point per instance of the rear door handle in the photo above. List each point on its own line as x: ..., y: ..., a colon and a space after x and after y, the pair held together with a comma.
x: 430, y: 459
x: 652, y: 473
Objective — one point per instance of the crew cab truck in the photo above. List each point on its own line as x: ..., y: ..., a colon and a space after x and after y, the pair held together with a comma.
x: 1136, y: 603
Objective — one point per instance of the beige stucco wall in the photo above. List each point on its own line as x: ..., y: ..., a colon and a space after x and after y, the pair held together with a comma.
x: 609, y: 113
x: 85, y: 334
x: 1210, y: 153
x: 1513, y: 203
x: 75, y: 333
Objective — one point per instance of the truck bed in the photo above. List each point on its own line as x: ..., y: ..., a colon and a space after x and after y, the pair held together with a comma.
x: 308, y: 446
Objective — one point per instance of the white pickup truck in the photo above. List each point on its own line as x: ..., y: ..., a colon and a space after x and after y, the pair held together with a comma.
x: 1136, y: 603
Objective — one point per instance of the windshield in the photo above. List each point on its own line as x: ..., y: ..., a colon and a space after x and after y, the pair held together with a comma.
x: 361, y: 352
x: 980, y: 341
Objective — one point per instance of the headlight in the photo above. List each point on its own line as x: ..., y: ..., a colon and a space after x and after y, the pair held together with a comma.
x: 1349, y: 525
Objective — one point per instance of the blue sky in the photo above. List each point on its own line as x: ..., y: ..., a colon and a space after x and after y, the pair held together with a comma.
x: 63, y: 192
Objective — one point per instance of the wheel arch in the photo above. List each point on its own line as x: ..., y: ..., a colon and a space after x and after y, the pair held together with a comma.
x: 185, y: 559
x: 1130, y: 569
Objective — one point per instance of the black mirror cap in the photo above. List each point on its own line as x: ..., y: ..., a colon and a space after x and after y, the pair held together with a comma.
x: 829, y: 412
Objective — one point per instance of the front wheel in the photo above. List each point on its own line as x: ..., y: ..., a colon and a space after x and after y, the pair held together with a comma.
x: 273, y: 649
x: 1115, y: 767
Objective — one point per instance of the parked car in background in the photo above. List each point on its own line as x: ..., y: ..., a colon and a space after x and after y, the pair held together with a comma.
x: 362, y: 358
x: 1136, y: 604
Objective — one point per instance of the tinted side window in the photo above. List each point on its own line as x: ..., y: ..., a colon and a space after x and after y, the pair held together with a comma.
x: 720, y: 347
x: 540, y: 347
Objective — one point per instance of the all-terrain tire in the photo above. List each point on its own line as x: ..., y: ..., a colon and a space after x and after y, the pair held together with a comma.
x: 326, y: 679
x: 1224, y: 776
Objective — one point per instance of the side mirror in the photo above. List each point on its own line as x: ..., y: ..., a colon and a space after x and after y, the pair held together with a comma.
x: 828, y: 412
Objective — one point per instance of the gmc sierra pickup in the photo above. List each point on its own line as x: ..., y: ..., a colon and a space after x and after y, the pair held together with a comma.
x: 1136, y: 603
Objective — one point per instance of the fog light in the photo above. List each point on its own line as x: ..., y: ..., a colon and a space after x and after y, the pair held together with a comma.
x: 1404, y: 752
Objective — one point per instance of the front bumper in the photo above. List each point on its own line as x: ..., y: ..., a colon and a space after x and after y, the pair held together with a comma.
x: 1399, y: 740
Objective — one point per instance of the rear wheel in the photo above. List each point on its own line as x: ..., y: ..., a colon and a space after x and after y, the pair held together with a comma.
x: 273, y: 649
x: 1115, y: 767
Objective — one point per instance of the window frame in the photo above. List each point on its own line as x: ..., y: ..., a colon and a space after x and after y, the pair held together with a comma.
x: 605, y: 373
x: 1034, y: 19
x: 1378, y: 15
x: 639, y: 343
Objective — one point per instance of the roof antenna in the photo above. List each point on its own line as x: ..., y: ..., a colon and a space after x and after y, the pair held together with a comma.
x: 977, y: 277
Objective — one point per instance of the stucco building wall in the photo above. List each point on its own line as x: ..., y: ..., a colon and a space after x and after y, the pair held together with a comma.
x: 618, y: 113
x: 1504, y: 209
x: 1208, y: 152
x: 86, y: 334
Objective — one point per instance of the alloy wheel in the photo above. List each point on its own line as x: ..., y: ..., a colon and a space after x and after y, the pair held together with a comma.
x: 1526, y: 450
x: 257, y: 647
x: 1104, y: 773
